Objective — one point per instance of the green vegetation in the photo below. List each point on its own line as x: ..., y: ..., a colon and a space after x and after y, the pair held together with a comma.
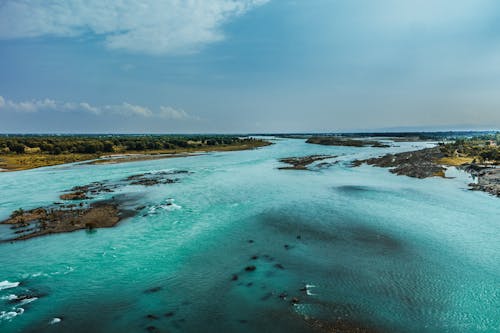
x: 21, y: 152
x: 480, y: 149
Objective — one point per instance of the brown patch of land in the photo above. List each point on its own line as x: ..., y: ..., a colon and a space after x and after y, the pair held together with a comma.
x: 51, y: 220
x: 417, y: 164
x: 17, y: 162
x: 84, y: 192
x: 150, y: 179
x: 455, y: 160
x: 340, y: 141
x: 301, y: 163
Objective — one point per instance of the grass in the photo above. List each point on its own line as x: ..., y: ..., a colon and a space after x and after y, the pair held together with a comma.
x: 16, y: 162
x: 455, y: 161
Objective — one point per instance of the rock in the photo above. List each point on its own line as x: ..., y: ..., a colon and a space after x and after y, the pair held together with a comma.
x: 294, y: 300
x: 234, y: 277
x: 169, y: 314
x: 250, y: 268
x: 152, y: 290
x: 301, y: 163
x: 74, y: 196
x: 279, y: 266
x: 417, y: 164
x: 254, y: 257
x: 152, y: 317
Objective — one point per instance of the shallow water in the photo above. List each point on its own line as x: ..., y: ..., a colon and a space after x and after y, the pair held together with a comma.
x: 378, y: 251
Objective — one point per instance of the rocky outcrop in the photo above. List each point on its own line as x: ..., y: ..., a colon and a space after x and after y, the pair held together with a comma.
x: 417, y: 164
x: 488, y: 178
x: 50, y: 220
x: 301, y: 163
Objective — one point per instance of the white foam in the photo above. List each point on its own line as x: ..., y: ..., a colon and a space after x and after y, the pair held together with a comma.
x: 10, y: 297
x: 7, y: 285
x: 8, y: 315
x: 168, y: 205
x: 55, y: 321
x: 308, y: 292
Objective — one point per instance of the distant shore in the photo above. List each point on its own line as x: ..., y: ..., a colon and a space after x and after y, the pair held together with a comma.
x: 26, y: 161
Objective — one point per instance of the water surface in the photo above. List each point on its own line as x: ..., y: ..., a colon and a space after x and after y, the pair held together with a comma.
x: 376, y: 250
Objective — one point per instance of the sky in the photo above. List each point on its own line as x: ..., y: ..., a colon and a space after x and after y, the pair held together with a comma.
x: 248, y: 66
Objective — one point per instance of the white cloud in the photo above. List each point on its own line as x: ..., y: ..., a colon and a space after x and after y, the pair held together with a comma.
x: 169, y: 112
x: 123, y: 109
x: 154, y: 27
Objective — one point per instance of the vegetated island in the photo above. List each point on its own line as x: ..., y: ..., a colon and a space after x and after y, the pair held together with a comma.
x: 21, y: 152
x: 343, y: 141
x: 479, y: 156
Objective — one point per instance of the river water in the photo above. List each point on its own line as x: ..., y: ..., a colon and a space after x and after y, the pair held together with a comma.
x: 358, y: 248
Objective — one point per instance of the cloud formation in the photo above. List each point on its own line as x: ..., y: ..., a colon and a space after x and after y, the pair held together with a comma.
x: 123, y: 109
x: 154, y: 27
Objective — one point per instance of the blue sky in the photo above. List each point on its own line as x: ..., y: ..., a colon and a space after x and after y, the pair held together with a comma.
x: 248, y: 65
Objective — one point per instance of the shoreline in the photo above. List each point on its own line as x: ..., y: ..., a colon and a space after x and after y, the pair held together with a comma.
x: 20, y: 162
x: 431, y: 162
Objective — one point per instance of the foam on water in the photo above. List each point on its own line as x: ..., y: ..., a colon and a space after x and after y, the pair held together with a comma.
x: 169, y: 205
x: 10, y: 297
x: 7, y: 285
x: 9, y: 315
x: 55, y: 321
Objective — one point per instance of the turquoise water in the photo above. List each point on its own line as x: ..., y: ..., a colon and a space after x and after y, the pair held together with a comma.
x: 376, y: 250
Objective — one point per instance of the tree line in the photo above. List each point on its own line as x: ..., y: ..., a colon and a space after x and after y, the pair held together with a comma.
x: 109, y: 144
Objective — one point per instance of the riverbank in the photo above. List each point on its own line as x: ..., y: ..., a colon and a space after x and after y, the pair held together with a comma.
x: 25, y: 161
x: 432, y: 162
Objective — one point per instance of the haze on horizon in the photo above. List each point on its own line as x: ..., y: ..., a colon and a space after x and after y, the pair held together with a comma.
x: 234, y: 66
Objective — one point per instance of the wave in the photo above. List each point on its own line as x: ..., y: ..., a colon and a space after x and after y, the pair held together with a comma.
x: 27, y: 300
x: 7, y: 284
x: 10, y: 297
x: 55, y: 321
x: 169, y: 205
x: 8, y: 315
